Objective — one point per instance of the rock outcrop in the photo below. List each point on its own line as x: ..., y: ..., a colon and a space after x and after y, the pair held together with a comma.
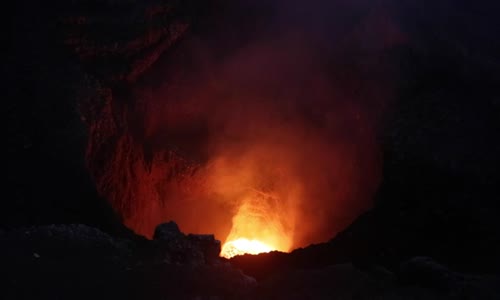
x: 173, y: 246
x: 77, y: 261
x: 65, y: 64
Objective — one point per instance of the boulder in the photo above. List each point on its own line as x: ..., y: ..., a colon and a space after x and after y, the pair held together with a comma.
x: 173, y: 246
x: 208, y: 245
x: 167, y: 231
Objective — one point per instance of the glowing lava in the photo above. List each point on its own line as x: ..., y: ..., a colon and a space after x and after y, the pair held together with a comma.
x: 258, y: 227
x: 244, y: 246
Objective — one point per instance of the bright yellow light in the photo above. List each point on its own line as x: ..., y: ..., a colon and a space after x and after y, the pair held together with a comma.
x: 244, y: 246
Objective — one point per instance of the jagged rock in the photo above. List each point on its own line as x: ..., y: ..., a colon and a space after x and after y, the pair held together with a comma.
x: 173, y: 246
x: 116, y: 42
x: 208, y: 245
x: 86, y: 263
x: 167, y: 231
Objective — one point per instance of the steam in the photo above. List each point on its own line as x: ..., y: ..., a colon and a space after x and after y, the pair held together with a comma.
x: 281, y: 124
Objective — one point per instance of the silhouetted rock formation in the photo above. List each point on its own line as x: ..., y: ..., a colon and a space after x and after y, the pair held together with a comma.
x: 77, y: 261
x: 167, y: 231
x: 171, y: 245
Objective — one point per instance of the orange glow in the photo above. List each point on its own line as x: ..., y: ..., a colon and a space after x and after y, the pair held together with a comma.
x: 263, y: 144
x: 244, y: 246
x: 258, y: 226
x: 262, y: 194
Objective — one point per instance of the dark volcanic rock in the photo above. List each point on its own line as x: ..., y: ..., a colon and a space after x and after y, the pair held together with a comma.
x: 167, y: 231
x: 81, y: 262
x: 429, y: 280
x: 171, y: 245
x: 63, y: 62
x: 210, y: 246
x: 343, y: 281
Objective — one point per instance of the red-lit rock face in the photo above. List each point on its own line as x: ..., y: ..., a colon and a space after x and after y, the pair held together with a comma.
x: 273, y: 142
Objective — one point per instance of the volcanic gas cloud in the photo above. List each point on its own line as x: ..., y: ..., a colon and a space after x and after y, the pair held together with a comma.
x: 270, y: 145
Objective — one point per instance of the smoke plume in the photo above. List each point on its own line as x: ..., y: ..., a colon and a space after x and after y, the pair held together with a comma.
x: 266, y: 118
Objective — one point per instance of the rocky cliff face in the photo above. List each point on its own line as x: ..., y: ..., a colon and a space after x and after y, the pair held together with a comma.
x: 64, y: 66
x: 117, y: 44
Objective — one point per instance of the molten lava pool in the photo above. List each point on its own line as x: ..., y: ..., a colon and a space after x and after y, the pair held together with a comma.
x: 258, y: 227
x: 244, y: 246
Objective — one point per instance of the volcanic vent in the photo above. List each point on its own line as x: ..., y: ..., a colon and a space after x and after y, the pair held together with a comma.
x: 268, y: 141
